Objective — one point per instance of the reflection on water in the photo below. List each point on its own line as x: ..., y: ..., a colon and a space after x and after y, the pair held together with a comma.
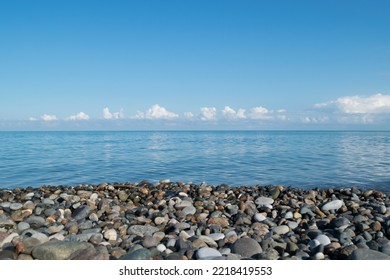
x: 297, y: 158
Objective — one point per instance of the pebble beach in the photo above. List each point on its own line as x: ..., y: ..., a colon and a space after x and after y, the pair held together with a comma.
x: 186, y: 221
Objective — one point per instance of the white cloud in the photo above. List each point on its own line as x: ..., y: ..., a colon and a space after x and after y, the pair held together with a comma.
x: 107, y: 115
x: 48, y: 118
x: 208, y: 113
x: 233, y: 114
x: 79, y: 117
x: 156, y: 112
x: 260, y: 113
x: 374, y: 104
x: 321, y: 119
x: 188, y: 115
x: 32, y: 119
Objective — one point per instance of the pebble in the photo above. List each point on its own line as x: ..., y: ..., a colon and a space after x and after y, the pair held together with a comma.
x: 368, y: 254
x: 178, y: 221
x: 59, y: 250
x: 280, y: 230
x: 246, y: 247
x: 323, y: 239
x: 259, y: 217
x: 207, y: 254
x: 15, y: 206
x: 332, y: 205
x: 264, y: 201
x: 140, y: 254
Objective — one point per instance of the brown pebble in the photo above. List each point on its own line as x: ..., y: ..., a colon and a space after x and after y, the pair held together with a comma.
x: 223, y: 222
x: 376, y: 226
x: 319, y: 213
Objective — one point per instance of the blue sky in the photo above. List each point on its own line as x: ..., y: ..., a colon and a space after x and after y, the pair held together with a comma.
x: 216, y: 64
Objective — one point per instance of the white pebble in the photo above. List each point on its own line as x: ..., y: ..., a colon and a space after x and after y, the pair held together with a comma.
x: 332, y: 205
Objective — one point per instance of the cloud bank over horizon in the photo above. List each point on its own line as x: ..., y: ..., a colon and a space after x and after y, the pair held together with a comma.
x: 354, y: 110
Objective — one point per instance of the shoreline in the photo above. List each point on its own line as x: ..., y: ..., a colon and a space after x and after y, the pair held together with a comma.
x: 185, y: 221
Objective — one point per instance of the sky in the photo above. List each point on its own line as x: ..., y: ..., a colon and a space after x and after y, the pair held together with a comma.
x: 214, y: 64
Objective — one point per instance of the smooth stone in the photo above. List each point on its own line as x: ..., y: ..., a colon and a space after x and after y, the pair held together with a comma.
x: 207, y: 253
x: 259, y: 217
x: 292, y: 225
x: 59, y: 250
x: 289, y: 215
x: 217, y: 236
x: 231, y: 237
x: 140, y: 254
x: 189, y: 210
x: 48, y: 201
x: 246, y: 247
x: 142, y: 231
x: 7, y: 255
x: 83, y: 237
x: 161, y: 248
x: 280, y: 230
x: 368, y: 254
x: 319, y: 256
x: 8, y: 239
x: 332, y: 205
x: 183, y: 204
x: 22, y: 226
x: 35, y: 221
x: 340, y: 222
x: 208, y: 240
x: 29, y: 205
x: 262, y: 200
x: 96, y: 238
x: 110, y: 235
x: 81, y: 212
x: 314, y: 244
x: 323, y: 239
x: 149, y: 242
x: 15, y: 206
x: 223, y: 222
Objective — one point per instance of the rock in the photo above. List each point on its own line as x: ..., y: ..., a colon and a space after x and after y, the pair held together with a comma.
x: 368, y: 254
x: 183, y: 204
x: 110, y: 235
x: 376, y: 226
x: 161, y: 248
x: 81, y: 212
x: 22, y: 226
x: 264, y: 201
x: 280, y: 230
x: 140, y: 254
x: 35, y: 221
x: 231, y: 237
x: 7, y: 255
x: 332, y: 205
x: 319, y: 256
x: 207, y: 254
x: 217, y: 236
x: 149, y: 242
x: 221, y: 221
x: 59, y: 250
x: 189, y: 210
x: 142, y: 231
x: 246, y: 247
x: 48, y: 201
x: 259, y: 217
x: 15, y: 206
x: 323, y: 239
x: 8, y: 239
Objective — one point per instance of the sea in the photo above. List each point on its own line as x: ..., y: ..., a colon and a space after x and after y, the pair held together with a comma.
x: 299, y: 159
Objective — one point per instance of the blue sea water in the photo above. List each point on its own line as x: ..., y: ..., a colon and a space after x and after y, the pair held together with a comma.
x: 302, y: 159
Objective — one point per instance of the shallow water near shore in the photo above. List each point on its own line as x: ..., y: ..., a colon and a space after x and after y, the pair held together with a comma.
x: 302, y: 159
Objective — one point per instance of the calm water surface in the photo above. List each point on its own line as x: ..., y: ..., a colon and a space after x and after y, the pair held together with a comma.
x: 292, y: 158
